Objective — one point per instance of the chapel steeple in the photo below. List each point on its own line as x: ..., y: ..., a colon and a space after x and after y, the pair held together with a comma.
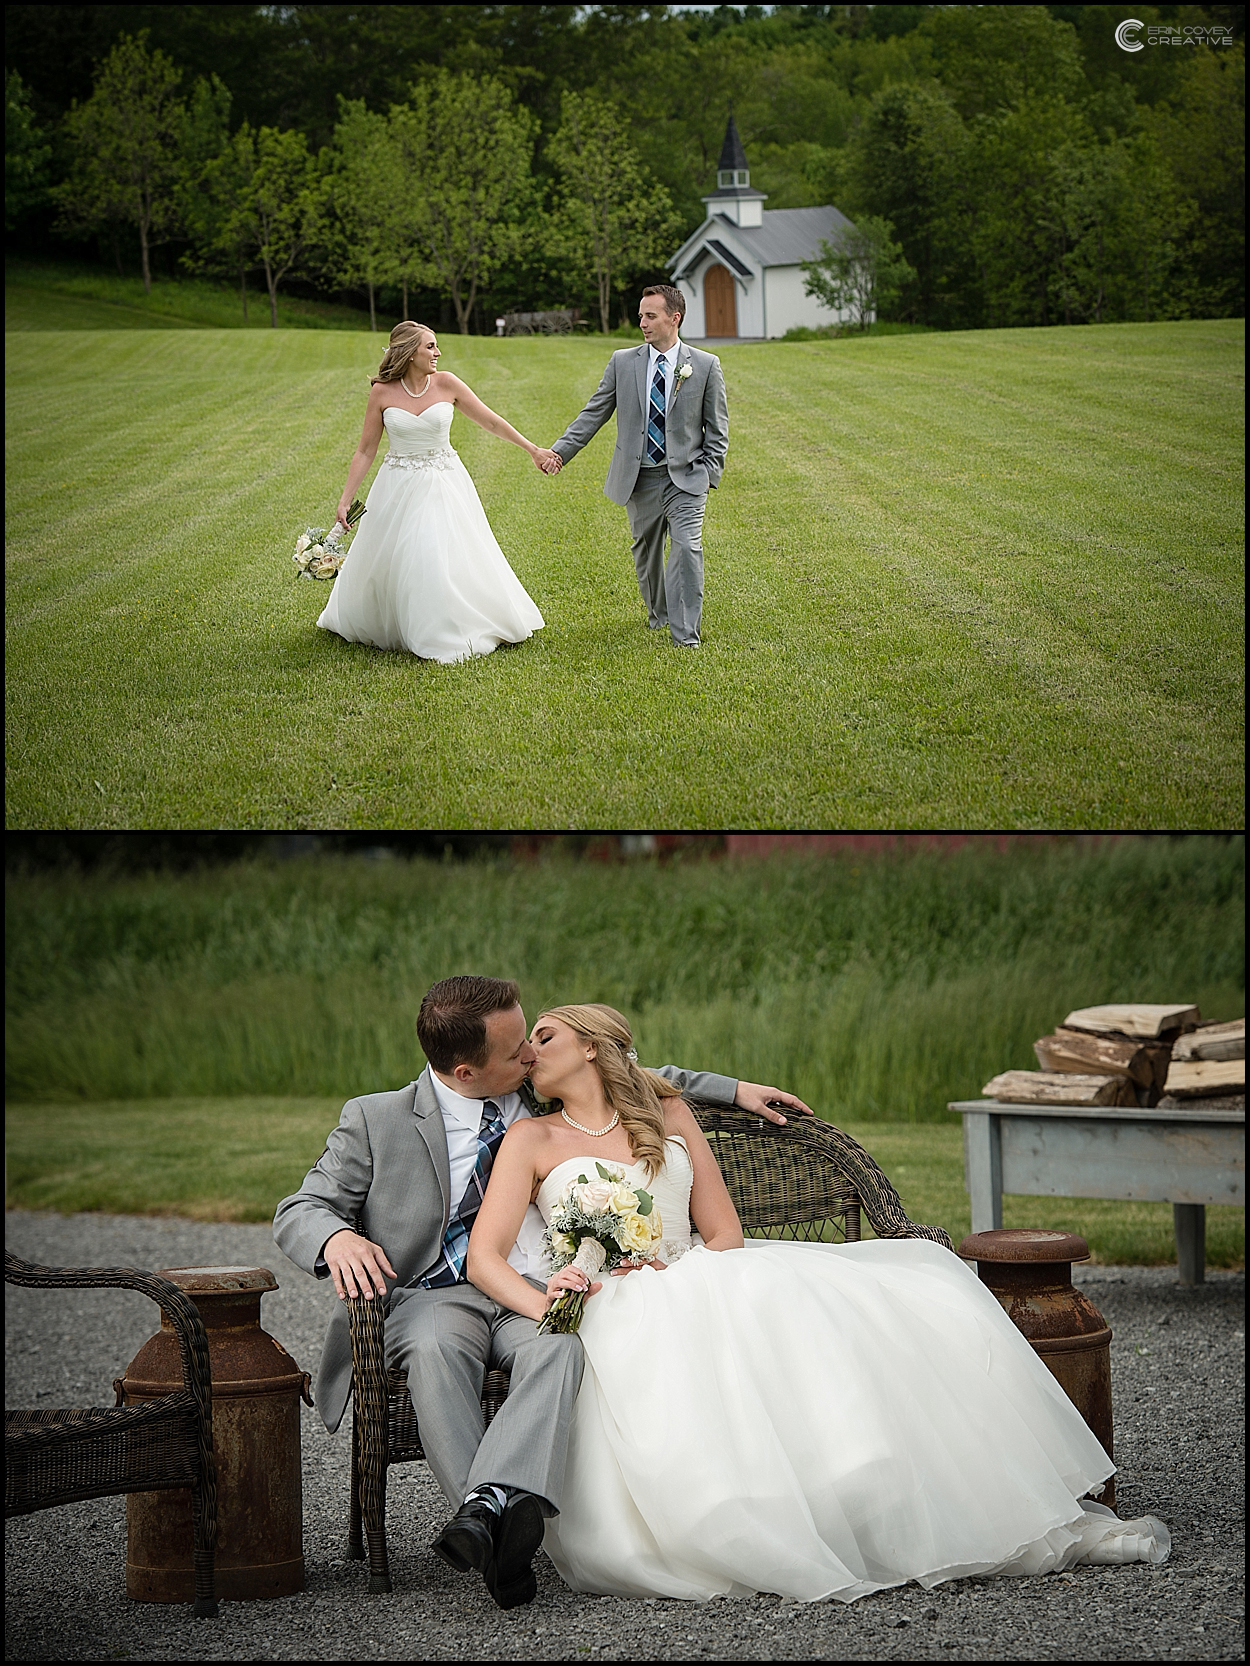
x: 732, y: 168
x: 733, y: 196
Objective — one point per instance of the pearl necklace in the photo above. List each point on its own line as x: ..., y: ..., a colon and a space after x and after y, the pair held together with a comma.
x: 595, y: 1133
x: 424, y: 390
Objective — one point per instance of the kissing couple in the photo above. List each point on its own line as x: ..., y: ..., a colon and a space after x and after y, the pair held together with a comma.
x: 425, y: 574
x: 814, y: 1420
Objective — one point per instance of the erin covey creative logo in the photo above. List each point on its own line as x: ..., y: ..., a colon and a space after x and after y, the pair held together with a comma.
x: 1169, y: 34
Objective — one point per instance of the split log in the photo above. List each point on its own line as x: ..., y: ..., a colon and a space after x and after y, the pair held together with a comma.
x: 1134, y: 1018
x: 1216, y: 1102
x: 1197, y: 1078
x: 1082, y: 1053
x: 1044, y: 1087
x: 1213, y: 1041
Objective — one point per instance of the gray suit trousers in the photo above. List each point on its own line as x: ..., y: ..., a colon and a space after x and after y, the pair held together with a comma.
x: 673, y: 592
x: 446, y: 1340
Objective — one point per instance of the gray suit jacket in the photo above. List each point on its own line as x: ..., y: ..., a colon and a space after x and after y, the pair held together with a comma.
x: 696, y: 424
x: 386, y: 1167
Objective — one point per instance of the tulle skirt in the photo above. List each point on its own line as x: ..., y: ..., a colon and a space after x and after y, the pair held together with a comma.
x: 822, y: 1422
x: 425, y: 574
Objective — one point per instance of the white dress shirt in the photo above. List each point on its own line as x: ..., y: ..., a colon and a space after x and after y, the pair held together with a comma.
x: 462, y: 1118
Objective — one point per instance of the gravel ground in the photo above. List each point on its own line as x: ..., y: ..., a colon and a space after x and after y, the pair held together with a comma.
x: 1177, y: 1372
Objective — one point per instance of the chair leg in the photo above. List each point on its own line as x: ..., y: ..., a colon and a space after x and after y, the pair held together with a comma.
x: 355, y: 1541
x: 204, y: 1551
x: 370, y: 1390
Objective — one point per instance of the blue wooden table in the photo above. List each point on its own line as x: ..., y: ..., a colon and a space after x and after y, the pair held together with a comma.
x: 1186, y: 1157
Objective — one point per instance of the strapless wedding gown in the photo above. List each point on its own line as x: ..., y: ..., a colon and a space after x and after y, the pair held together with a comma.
x: 425, y: 574
x: 817, y: 1421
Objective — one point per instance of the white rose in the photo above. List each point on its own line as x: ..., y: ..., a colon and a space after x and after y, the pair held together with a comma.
x: 302, y: 543
x: 563, y: 1243
x: 595, y: 1198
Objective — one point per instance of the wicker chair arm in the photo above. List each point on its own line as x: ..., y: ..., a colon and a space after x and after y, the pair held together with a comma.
x: 878, y: 1198
x: 881, y: 1202
x: 182, y: 1312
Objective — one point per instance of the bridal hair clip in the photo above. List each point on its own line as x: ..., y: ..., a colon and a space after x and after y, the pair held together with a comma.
x: 631, y: 1053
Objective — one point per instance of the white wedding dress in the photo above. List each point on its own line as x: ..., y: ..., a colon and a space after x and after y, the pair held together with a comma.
x: 425, y: 574
x: 817, y: 1421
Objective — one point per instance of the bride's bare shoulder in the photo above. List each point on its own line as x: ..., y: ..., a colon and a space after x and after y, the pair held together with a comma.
x: 528, y: 1133
x: 678, y: 1117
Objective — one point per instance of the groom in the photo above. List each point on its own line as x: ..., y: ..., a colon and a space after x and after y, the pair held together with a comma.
x: 672, y: 434
x: 412, y: 1166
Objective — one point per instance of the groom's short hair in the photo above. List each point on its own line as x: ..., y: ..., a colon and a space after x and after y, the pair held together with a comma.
x: 672, y: 297
x: 451, y: 1025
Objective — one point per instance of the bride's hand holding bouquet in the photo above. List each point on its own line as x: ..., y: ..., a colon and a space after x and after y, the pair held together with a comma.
x: 596, y: 1224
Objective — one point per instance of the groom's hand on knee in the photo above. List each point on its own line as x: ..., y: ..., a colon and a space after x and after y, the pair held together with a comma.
x: 358, y: 1267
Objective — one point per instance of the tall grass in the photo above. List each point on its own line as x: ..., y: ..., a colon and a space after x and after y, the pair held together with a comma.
x: 877, y: 989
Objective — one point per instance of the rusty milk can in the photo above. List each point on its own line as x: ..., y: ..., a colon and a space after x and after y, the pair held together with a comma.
x: 257, y: 1388
x: 1030, y: 1271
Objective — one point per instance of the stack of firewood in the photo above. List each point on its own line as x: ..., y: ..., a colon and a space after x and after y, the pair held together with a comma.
x: 1208, y: 1064
x: 1131, y: 1054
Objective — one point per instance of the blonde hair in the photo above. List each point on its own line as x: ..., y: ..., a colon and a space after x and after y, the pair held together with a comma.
x: 405, y: 339
x: 633, y: 1093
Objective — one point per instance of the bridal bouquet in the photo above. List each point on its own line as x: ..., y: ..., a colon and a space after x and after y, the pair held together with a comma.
x: 597, y: 1224
x: 320, y: 552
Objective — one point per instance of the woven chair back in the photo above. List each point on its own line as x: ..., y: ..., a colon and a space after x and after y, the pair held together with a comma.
x: 785, y: 1181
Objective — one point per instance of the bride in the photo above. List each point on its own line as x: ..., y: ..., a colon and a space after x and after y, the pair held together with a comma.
x: 813, y: 1420
x: 424, y: 573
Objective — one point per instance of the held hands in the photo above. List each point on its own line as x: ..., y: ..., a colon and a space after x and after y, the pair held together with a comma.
x: 356, y: 1265
x: 769, y: 1102
x: 550, y: 462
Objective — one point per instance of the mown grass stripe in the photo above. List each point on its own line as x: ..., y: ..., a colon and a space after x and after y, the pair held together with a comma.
x: 953, y: 580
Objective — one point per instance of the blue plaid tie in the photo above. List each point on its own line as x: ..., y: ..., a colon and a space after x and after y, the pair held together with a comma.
x: 655, y: 417
x: 449, y: 1268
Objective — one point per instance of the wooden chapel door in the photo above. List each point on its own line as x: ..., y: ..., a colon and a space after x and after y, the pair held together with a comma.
x: 719, y: 306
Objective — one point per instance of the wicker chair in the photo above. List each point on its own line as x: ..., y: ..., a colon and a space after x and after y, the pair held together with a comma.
x: 58, y: 1457
x: 804, y: 1180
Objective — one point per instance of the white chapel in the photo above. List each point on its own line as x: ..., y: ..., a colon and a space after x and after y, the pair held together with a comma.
x: 741, y: 272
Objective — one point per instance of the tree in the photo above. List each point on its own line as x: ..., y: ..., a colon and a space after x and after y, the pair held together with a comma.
x: 214, y: 171
x: 467, y: 149
x: 611, y: 221
x: 124, y: 143
x: 408, y: 204
x: 863, y: 273
x: 25, y: 154
x: 281, y: 218
x: 363, y: 189
x: 1024, y: 162
x: 907, y: 163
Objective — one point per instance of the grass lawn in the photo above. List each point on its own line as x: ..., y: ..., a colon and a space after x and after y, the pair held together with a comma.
x: 65, y: 297
x: 963, y: 580
x: 232, y: 1159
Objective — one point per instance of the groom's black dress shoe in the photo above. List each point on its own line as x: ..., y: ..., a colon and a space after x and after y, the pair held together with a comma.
x: 500, y: 1545
x: 468, y: 1540
x: 518, y: 1534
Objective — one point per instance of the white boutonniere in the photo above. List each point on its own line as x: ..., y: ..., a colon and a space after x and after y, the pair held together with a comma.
x: 683, y: 372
